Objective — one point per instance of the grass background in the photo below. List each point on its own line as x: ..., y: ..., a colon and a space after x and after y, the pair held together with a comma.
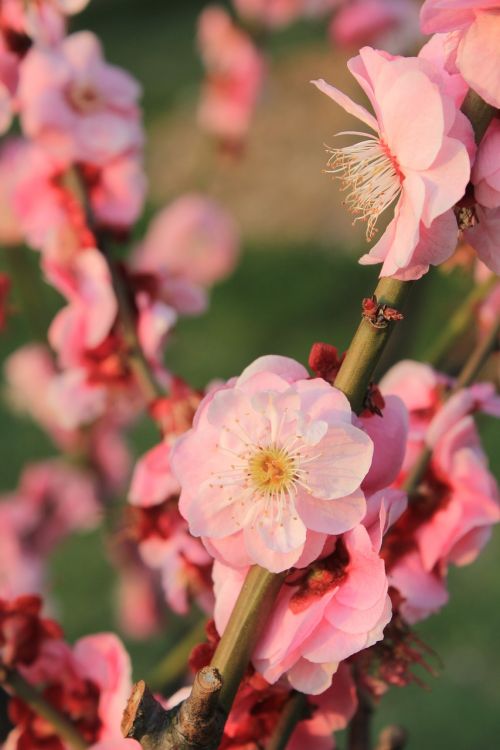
x: 282, y: 298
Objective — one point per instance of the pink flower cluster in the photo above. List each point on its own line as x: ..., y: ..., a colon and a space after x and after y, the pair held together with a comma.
x: 281, y: 464
x: 89, y: 683
x: 52, y: 501
x: 450, y: 520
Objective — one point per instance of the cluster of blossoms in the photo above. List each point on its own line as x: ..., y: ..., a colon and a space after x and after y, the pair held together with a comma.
x: 273, y: 467
x: 88, y: 683
x: 234, y: 61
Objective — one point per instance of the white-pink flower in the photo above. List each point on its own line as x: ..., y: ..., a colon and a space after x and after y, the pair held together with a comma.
x: 324, y: 614
x: 272, y: 465
x: 77, y: 105
x: 417, y: 159
x: 474, y: 29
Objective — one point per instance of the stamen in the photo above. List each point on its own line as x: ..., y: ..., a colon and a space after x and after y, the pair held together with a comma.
x: 372, y: 175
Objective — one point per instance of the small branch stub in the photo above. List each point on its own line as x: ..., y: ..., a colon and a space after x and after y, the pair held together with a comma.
x: 379, y: 315
x: 195, y: 724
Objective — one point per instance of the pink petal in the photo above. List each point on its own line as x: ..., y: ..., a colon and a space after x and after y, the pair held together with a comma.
x: 346, y: 103
x: 331, y: 516
x: 479, y: 56
x: 414, y: 132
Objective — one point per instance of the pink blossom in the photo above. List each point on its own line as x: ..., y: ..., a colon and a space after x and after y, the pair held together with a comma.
x: 153, y: 481
x: 474, y: 27
x: 389, y: 432
x: 193, y: 239
x: 387, y: 24
x: 484, y: 236
x: 323, y: 615
x: 418, y: 159
x: 76, y: 105
x: 450, y: 520
x: 117, y: 191
x: 235, y: 71
x: 88, y: 318
x: 486, y: 171
x: 166, y: 545
x: 278, y: 466
x: 423, y: 390
x: 89, y: 684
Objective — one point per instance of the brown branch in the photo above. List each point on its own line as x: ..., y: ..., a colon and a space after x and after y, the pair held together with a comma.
x: 392, y: 738
x: 30, y: 695
x: 195, y: 724
x: 359, y: 731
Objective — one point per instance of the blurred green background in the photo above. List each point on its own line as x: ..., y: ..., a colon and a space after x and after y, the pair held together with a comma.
x: 298, y: 282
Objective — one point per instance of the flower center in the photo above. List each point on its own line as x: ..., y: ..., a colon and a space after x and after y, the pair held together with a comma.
x: 372, y: 175
x: 84, y: 98
x: 272, y: 470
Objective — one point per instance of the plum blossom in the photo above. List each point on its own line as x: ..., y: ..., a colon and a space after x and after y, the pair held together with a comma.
x: 472, y: 28
x: 450, y: 519
x: 325, y: 613
x: 279, y: 466
x: 235, y: 72
x: 417, y: 159
x: 89, y: 684
x: 76, y: 105
x: 193, y: 239
x: 386, y: 24
x: 162, y: 535
x: 52, y: 501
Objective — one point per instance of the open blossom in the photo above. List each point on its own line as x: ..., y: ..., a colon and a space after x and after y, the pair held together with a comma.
x: 417, y: 159
x: 23, y: 631
x: 235, y: 71
x: 474, y: 29
x: 193, y: 239
x: 450, y: 520
x: 386, y: 24
x: 88, y: 683
x: 327, y: 612
x: 76, y: 105
x: 278, y: 466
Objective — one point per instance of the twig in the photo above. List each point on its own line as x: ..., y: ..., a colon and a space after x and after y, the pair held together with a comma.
x: 195, y: 724
x: 173, y: 666
x: 359, y: 733
x: 245, y: 625
x: 392, y: 738
x: 30, y: 695
x: 368, y: 344
x: 295, y: 710
x: 127, y: 318
x: 459, y: 322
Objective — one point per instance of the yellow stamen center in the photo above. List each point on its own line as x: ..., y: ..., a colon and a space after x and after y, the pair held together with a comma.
x: 272, y: 470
